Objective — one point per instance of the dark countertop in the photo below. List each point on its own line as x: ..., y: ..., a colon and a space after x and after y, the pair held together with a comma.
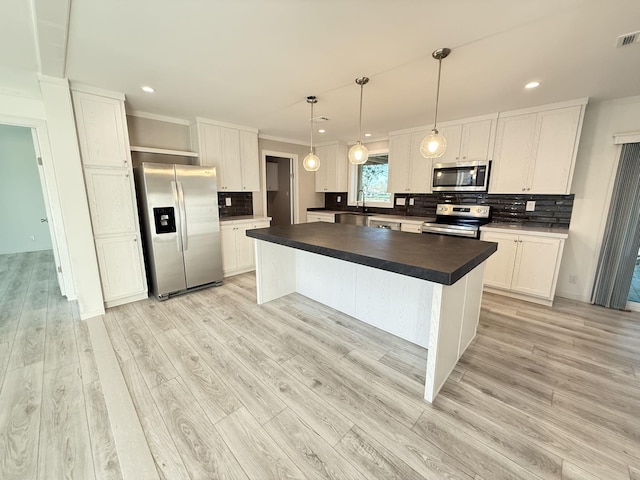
x: 437, y: 258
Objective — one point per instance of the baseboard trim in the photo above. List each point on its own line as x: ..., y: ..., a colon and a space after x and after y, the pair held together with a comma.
x: 519, y: 296
x: 128, y: 299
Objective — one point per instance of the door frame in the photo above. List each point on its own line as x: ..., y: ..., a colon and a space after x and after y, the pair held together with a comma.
x: 294, y: 199
x: 51, y: 199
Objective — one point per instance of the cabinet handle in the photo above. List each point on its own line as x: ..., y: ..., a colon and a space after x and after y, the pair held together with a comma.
x: 127, y: 175
x: 464, y: 158
x: 523, y: 189
x: 516, y: 241
x: 528, y: 189
x: 135, y: 239
x: 520, y: 241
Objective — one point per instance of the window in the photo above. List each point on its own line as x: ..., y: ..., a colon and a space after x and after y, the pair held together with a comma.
x: 372, y: 179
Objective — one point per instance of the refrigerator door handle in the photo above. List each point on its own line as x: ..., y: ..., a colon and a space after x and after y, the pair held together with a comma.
x: 183, y: 217
x: 176, y: 202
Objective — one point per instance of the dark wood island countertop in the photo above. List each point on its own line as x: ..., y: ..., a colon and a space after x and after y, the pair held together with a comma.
x: 436, y: 258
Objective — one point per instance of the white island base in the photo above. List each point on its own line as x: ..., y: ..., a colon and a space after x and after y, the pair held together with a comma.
x: 442, y: 318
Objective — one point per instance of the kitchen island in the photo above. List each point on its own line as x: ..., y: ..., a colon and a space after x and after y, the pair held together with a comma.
x: 423, y: 288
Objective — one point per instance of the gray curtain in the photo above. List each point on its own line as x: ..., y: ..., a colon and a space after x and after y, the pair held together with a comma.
x: 622, y: 234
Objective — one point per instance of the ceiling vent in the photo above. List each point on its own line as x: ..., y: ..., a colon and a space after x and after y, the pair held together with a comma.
x: 628, y: 39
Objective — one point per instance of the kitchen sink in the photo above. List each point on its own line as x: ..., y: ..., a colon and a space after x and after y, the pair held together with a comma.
x: 353, y: 218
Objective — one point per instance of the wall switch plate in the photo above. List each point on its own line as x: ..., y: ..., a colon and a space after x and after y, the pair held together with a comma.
x: 401, y: 201
x: 531, y: 206
x: 412, y: 201
x: 33, y: 238
x: 227, y: 201
x: 338, y: 199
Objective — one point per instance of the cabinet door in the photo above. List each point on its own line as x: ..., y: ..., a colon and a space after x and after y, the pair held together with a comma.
x: 324, y: 153
x: 341, y: 168
x: 399, y: 163
x: 411, y: 228
x: 101, y: 130
x: 246, y: 257
x: 512, y: 158
x: 535, y: 265
x: 211, y: 148
x: 111, y: 201
x: 556, y: 134
x: 121, y: 267
x: 476, y: 138
x: 499, y: 269
x: 420, y: 168
x: 230, y: 172
x: 250, y: 161
x: 453, y: 135
x: 228, y: 247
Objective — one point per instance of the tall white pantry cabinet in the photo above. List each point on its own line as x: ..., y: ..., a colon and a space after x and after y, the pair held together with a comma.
x: 106, y: 160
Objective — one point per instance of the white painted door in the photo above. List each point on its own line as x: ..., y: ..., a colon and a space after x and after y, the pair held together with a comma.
x: 556, y: 134
x: 210, y: 148
x: 101, y: 130
x: 499, y: 269
x: 513, y: 153
x: 453, y: 136
x: 250, y: 161
x: 228, y: 247
x: 322, y: 174
x: 420, y: 168
x: 535, y: 265
x: 246, y: 256
x: 230, y: 168
x: 121, y: 269
x: 399, y: 163
x: 111, y: 201
x: 476, y: 137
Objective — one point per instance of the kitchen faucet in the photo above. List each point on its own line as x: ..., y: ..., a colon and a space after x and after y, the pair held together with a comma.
x: 363, y: 207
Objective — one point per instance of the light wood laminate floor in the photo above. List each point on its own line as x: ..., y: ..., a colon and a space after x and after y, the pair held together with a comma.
x: 224, y: 388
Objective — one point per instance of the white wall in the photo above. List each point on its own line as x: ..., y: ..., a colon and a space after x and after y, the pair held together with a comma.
x: 73, y: 198
x: 306, y: 182
x: 20, y: 194
x: 596, y: 165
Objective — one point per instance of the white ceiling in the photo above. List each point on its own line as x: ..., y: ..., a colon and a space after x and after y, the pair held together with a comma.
x: 253, y: 62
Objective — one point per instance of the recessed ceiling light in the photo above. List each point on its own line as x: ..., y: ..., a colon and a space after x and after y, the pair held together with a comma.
x: 322, y: 130
x: 531, y: 85
x: 148, y: 89
x: 367, y: 134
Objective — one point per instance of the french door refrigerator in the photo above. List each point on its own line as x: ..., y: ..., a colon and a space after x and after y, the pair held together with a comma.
x: 179, y: 212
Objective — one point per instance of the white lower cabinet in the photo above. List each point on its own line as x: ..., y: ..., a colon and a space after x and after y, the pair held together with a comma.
x: 321, y: 217
x: 526, y: 265
x: 121, y: 268
x: 237, y: 249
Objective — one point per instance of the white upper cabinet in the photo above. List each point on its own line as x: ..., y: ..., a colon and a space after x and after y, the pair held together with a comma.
x: 535, y: 151
x: 477, y: 140
x: 101, y: 130
x: 453, y: 136
x: 233, y: 151
x: 332, y: 176
x: 409, y: 171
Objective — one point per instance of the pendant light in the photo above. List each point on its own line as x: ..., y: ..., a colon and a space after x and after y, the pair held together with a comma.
x: 358, y: 154
x: 434, y: 144
x: 311, y: 162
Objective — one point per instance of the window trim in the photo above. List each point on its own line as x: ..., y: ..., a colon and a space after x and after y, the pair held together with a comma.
x: 352, y: 194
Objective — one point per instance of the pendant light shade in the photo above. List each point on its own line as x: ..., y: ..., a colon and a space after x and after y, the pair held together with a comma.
x: 359, y: 154
x: 311, y: 162
x: 434, y: 144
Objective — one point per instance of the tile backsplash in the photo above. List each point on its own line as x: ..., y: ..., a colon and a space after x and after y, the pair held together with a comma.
x: 241, y: 204
x: 550, y: 210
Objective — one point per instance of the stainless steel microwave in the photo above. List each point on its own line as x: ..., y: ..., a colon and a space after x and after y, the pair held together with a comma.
x: 461, y: 177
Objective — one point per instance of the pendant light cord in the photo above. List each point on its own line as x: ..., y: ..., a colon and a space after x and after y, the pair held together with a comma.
x: 311, y: 129
x: 435, y: 120
x: 360, y: 123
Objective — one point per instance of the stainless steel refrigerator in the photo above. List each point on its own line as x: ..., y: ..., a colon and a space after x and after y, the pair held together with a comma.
x: 179, y: 214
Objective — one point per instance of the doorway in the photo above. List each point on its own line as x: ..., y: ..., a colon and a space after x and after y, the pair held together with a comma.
x: 26, y: 217
x: 279, y: 189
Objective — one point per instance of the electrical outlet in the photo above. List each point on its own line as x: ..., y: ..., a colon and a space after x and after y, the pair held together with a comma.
x: 227, y: 201
x: 401, y: 201
x: 339, y: 199
x: 531, y: 206
x: 33, y: 238
x: 412, y: 201
x: 573, y: 278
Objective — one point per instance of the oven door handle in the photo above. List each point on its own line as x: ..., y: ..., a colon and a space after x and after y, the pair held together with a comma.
x: 457, y: 231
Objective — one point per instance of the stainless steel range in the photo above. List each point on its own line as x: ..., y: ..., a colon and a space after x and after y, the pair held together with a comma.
x: 458, y: 220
